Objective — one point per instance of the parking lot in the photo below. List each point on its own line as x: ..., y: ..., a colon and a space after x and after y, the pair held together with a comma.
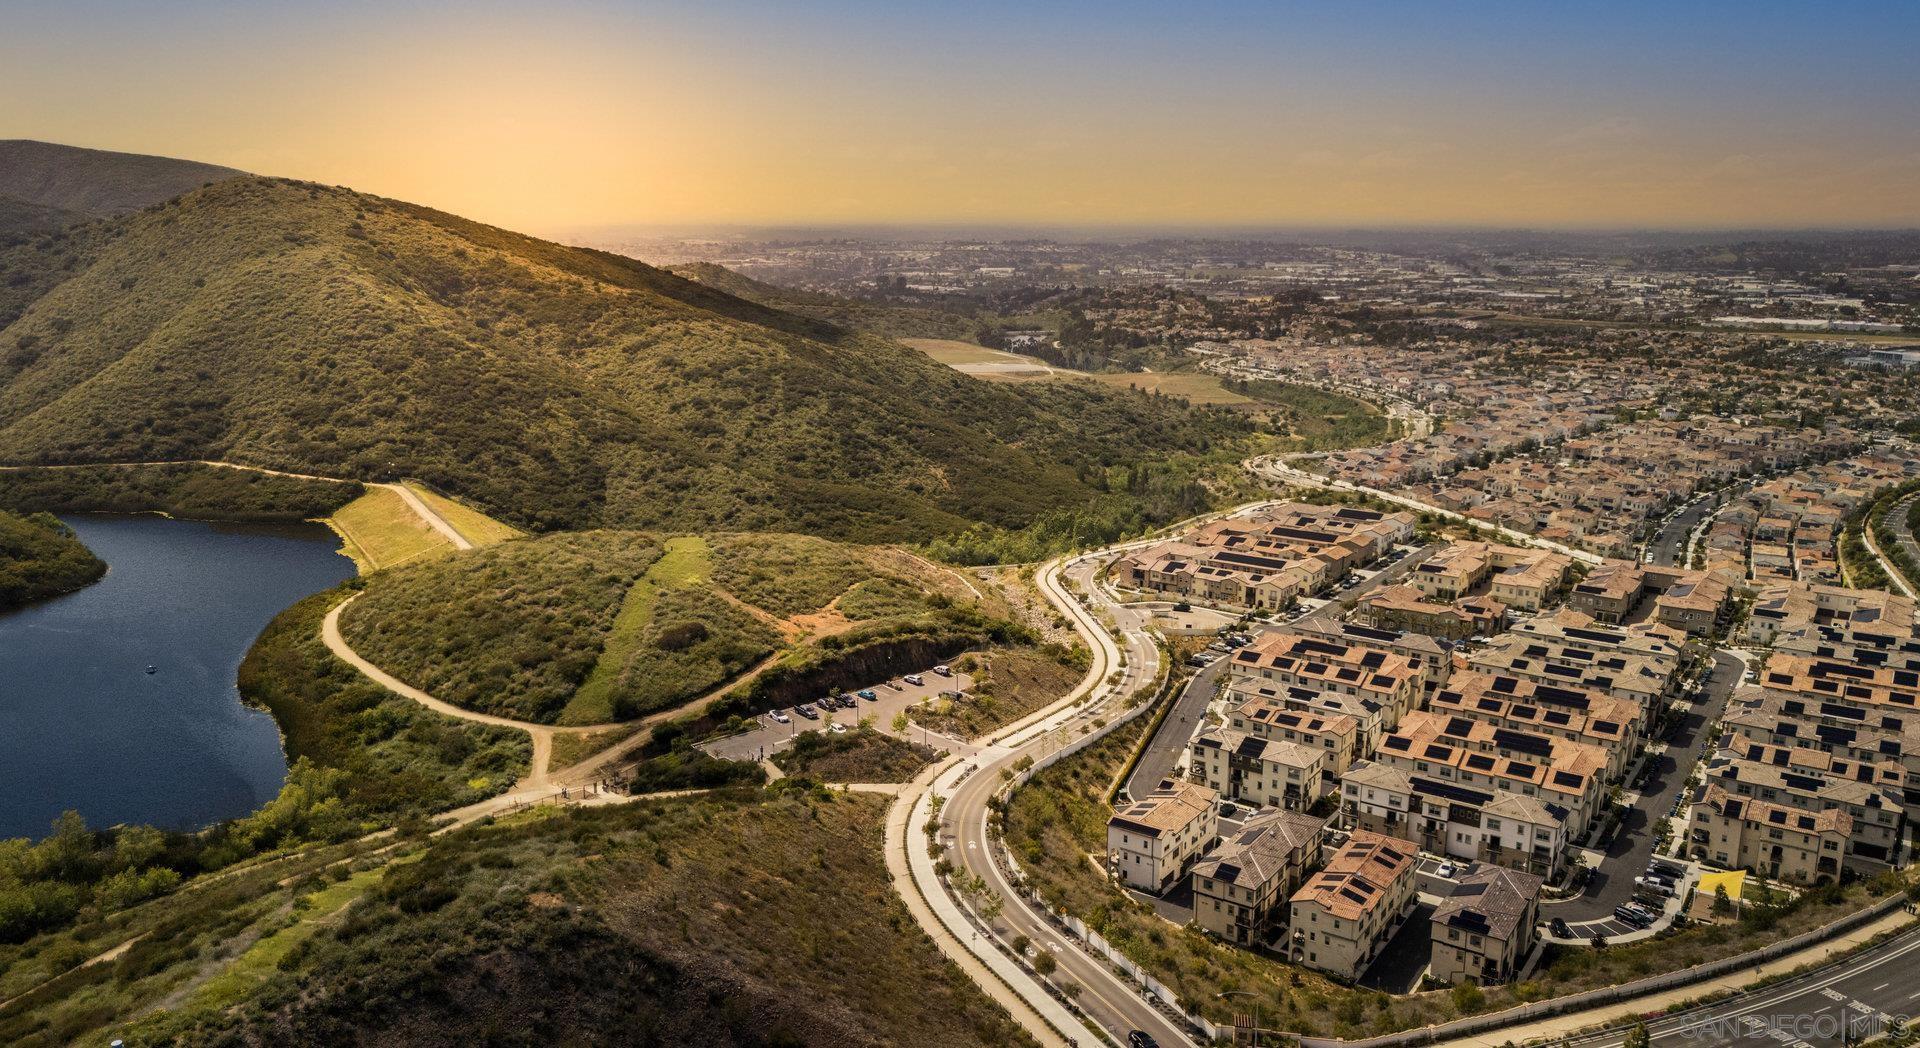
x: 777, y: 729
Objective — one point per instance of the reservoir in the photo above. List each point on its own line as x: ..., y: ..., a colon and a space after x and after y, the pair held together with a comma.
x: 85, y: 725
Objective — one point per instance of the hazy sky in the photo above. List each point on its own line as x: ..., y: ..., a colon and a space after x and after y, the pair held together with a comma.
x: 540, y: 116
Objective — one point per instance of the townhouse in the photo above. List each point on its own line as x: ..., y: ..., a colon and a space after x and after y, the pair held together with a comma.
x: 1780, y: 841
x: 1514, y: 576
x: 1267, y: 560
x: 1241, y: 888
x: 1291, y: 715
x: 1152, y: 841
x: 1406, y: 608
x: 1474, y: 791
x: 1486, y: 927
x: 1342, y: 917
x: 1615, y: 726
x: 1376, y: 687
x: 1260, y: 771
x: 1796, y: 779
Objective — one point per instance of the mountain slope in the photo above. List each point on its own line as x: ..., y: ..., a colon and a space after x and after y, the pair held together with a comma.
x: 321, y: 330
x: 95, y: 183
x: 20, y: 219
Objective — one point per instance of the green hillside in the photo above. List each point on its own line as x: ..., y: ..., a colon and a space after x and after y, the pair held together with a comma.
x: 591, y: 627
x: 40, y: 557
x: 316, y: 329
x: 96, y: 183
x: 20, y: 219
x: 735, y: 920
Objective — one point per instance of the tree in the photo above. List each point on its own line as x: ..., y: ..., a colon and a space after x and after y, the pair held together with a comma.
x: 901, y: 723
x: 1722, y: 905
x: 1467, y: 997
x: 1637, y: 1037
x: 1044, y: 963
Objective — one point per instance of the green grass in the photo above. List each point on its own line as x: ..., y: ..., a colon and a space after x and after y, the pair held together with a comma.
x: 185, y: 490
x: 475, y: 526
x: 676, y: 638
x: 245, y: 975
x: 686, y: 561
x: 379, y: 530
x: 788, y: 575
x: 1192, y: 386
x: 512, y: 629
x: 741, y: 918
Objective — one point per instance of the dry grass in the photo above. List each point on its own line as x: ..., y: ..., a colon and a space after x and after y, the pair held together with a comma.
x: 381, y: 530
x: 1197, y: 388
x: 479, y: 529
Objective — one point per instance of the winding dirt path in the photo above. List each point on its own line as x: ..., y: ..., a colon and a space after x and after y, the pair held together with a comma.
x: 542, y: 734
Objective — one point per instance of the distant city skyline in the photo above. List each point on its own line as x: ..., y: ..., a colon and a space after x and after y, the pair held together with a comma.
x: 1237, y: 115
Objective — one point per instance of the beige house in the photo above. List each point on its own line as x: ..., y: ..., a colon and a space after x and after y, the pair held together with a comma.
x: 1152, y: 841
x: 1284, y: 715
x: 1264, y: 772
x: 1241, y: 887
x: 1378, y: 686
x: 1783, y: 842
x: 1343, y: 915
x: 1486, y: 928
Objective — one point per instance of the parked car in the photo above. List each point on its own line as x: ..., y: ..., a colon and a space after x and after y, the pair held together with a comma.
x: 1558, y: 926
x: 837, y: 728
x: 1446, y: 869
x: 1197, y: 662
x: 944, y: 671
x: 914, y: 679
x: 1141, y: 1039
x: 806, y: 711
x: 780, y: 717
x: 869, y: 694
x: 1183, y: 606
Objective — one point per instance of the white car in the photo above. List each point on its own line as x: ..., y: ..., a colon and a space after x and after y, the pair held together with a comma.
x: 1446, y: 869
x: 944, y: 671
x: 837, y: 728
x: 780, y: 717
x: 914, y: 679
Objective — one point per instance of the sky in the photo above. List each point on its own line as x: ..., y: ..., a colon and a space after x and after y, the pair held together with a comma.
x: 565, y: 114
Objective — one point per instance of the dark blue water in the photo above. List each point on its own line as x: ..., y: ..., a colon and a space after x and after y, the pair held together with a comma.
x: 84, y: 726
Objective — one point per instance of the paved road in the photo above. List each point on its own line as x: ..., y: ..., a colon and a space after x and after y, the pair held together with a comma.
x: 1113, y: 1003
x: 891, y: 697
x: 1276, y: 470
x: 1893, y: 572
x: 1897, y: 523
x: 1805, y: 1012
x: 1668, y: 547
x: 1188, y: 713
x: 1632, y: 847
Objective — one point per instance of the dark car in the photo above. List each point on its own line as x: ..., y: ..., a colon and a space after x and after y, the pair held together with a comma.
x: 1558, y: 926
x: 1141, y: 1039
x: 806, y: 711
